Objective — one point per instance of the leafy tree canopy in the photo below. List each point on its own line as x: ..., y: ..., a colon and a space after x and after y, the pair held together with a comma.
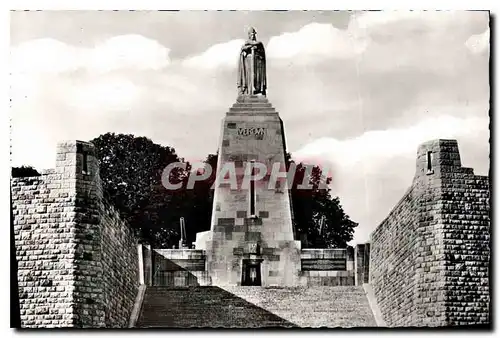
x: 24, y: 171
x: 131, y: 169
x: 318, y: 217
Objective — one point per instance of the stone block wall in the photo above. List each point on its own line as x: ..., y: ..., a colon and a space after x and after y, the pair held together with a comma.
x: 119, y: 261
x: 429, y: 258
x: 77, y: 261
x: 44, y: 250
x: 394, y: 252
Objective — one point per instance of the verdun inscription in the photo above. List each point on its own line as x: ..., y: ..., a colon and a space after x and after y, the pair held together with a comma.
x: 251, y: 131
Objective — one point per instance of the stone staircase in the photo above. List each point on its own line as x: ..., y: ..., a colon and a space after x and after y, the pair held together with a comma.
x: 252, y: 105
x: 205, y: 306
x: 254, y: 307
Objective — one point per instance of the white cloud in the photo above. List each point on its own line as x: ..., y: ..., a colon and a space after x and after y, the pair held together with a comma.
x: 479, y: 43
x: 49, y: 104
x: 316, y: 40
x: 370, y: 20
x: 129, y: 51
x: 422, y: 20
x: 60, y: 109
x: 120, y: 52
x: 219, y: 55
x: 366, y: 20
x: 44, y: 56
x: 110, y: 94
x: 376, y: 146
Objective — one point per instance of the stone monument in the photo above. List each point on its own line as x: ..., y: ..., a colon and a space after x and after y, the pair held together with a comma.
x: 251, y: 241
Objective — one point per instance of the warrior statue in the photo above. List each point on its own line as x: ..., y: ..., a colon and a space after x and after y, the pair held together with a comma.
x: 252, y: 67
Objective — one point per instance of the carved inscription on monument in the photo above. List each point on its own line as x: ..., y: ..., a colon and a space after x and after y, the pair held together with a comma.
x: 324, y: 264
x: 258, y: 132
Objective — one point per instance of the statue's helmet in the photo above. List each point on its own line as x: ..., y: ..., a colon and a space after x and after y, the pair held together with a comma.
x: 252, y: 31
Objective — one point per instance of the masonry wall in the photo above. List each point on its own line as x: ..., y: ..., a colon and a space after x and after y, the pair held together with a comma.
x: 44, y: 251
x: 393, y: 257
x: 120, y: 267
x: 429, y: 258
x: 465, y: 210
x: 77, y: 261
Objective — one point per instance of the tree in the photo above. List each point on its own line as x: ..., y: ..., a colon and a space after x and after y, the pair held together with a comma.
x: 130, y: 170
x: 318, y: 217
x: 24, y: 171
x: 195, y: 205
x: 199, y: 212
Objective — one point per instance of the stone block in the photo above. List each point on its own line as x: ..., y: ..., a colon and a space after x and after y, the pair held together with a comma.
x: 252, y: 236
x: 225, y: 222
x: 263, y: 214
x: 241, y: 214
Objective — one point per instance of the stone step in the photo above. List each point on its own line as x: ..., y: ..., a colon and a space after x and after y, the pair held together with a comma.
x: 270, y: 116
x: 250, y: 105
x: 202, y: 307
x: 254, y: 109
x: 246, y: 307
x: 252, y: 100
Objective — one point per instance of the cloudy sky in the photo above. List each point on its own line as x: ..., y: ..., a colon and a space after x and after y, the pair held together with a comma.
x: 360, y: 90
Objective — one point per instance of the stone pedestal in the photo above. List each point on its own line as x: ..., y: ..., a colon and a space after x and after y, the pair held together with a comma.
x: 252, y: 131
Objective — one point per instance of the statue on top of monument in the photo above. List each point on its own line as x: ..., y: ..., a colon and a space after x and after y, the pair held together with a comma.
x: 252, y: 66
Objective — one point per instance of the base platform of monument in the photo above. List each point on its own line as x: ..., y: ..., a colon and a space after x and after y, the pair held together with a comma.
x: 251, y: 241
